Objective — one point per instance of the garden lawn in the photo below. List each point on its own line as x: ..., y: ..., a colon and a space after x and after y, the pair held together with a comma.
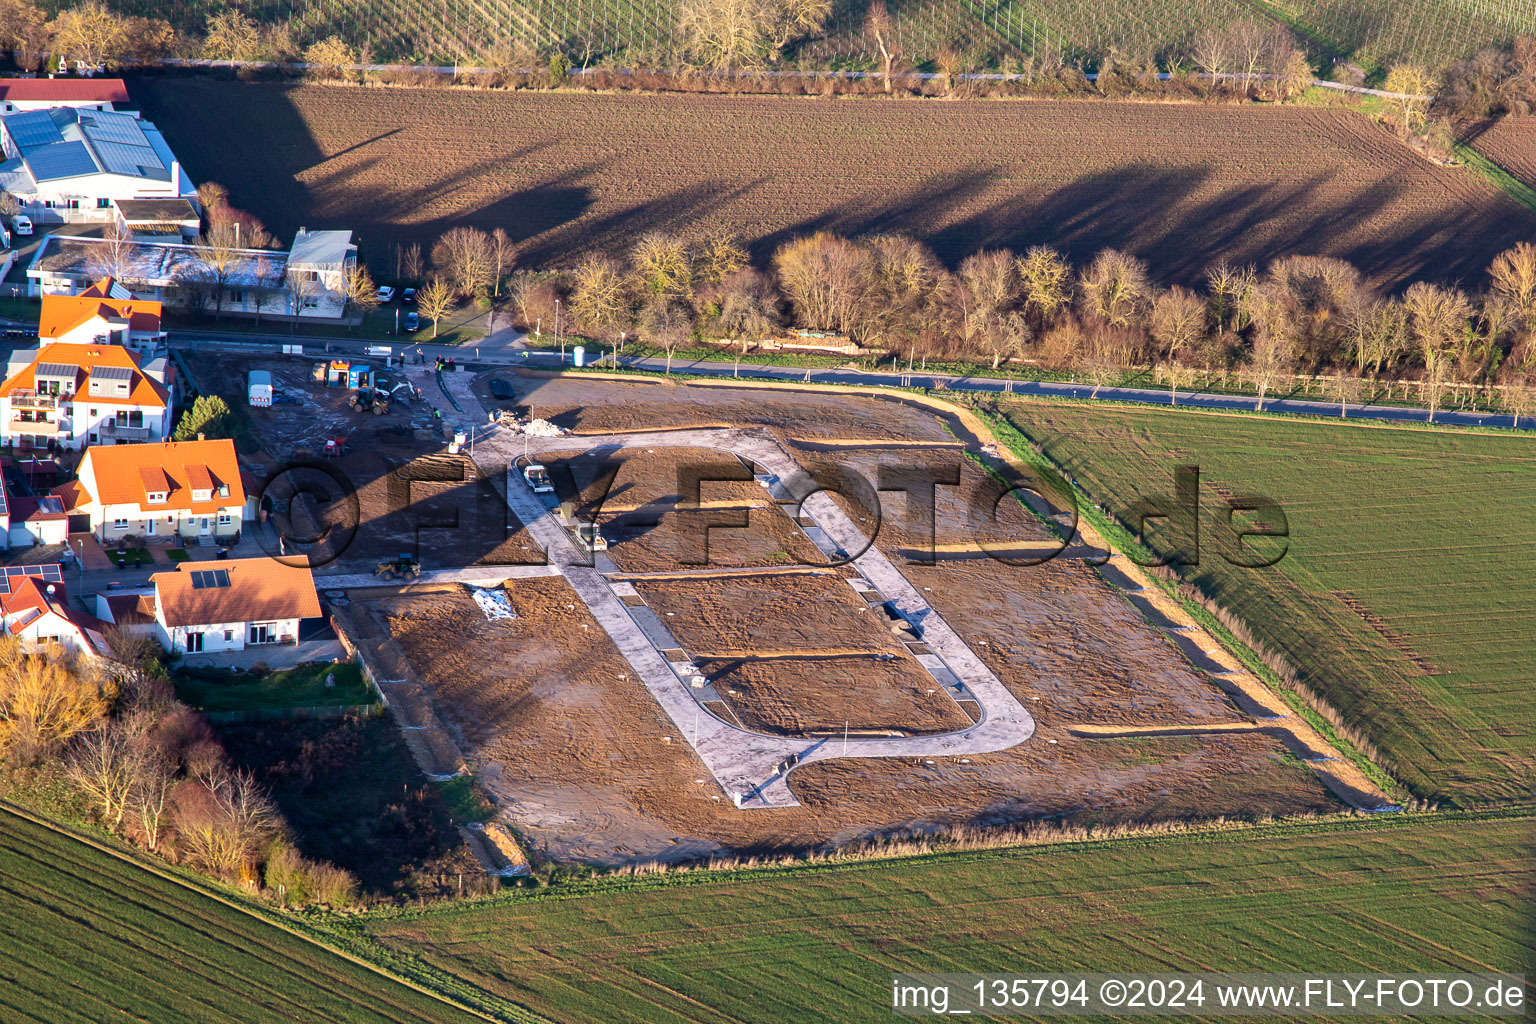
x: 822, y: 944
x: 211, y: 689
x: 1405, y: 596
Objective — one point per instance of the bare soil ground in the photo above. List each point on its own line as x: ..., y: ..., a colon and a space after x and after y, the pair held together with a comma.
x: 568, y: 174
x: 1509, y: 142
x: 589, y: 768
x: 637, y: 496
x: 818, y: 694
x: 410, y: 494
x: 734, y: 616
x: 585, y: 405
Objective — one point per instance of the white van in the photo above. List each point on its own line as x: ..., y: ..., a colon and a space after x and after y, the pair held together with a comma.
x: 22, y: 224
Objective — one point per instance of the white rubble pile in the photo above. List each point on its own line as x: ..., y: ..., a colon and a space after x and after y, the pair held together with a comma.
x: 494, y: 603
x: 542, y: 428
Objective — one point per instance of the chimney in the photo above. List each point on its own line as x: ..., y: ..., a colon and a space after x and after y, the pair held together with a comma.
x: 201, y: 436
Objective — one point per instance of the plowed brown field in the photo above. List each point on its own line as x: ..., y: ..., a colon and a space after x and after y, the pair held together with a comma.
x: 568, y: 174
x: 1509, y: 142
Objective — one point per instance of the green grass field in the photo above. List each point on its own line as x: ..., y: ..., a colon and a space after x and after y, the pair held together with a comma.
x: 212, y: 689
x: 86, y: 937
x: 1404, y: 596
x: 814, y: 945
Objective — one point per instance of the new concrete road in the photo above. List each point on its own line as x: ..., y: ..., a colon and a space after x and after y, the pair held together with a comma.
x: 505, y: 348
x: 753, y: 767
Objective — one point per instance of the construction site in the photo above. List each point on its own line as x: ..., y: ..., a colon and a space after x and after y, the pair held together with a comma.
x: 699, y: 635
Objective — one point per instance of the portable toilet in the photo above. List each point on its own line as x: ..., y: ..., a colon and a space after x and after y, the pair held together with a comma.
x: 359, y: 375
x: 579, y: 356
x: 336, y: 373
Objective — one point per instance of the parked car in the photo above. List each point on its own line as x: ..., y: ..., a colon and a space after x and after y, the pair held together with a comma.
x: 408, y: 297
x: 386, y: 294
x: 412, y: 321
x: 21, y: 224
x: 500, y: 389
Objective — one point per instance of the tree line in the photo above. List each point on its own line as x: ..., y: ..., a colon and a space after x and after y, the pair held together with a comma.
x: 1300, y: 315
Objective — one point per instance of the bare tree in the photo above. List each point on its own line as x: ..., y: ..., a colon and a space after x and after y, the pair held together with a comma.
x: 1271, y: 358
x: 727, y: 34
x: 503, y: 257
x: 878, y: 23
x: 1229, y: 288
x: 826, y: 279
x: 665, y: 322
x: 748, y: 310
x: 1114, y: 288
x: 464, y: 258
x: 1177, y: 322
x: 358, y: 291
x: 91, y: 33
x: 153, y: 779
x: 435, y: 301
x: 1415, y: 86
x: 223, y: 819
x: 1047, y: 280
x: 113, y: 256
x: 989, y: 289
x: 231, y: 36
x: 601, y: 301
x: 720, y: 255
x: 662, y: 264
x: 412, y: 266
x: 1437, y: 317
x: 1513, y: 273
x: 218, y: 258
x: 101, y: 766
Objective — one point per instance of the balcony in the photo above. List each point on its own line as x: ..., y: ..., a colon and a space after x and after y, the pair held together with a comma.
x: 123, y: 432
x: 37, y: 428
x: 29, y: 399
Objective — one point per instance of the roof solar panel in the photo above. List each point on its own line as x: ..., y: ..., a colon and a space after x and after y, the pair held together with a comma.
x: 210, y: 578
x: 61, y: 160
x: 109, y: 126
x: 32, y: 129
x: 47, y: 573
x: 121, y: 158
x: 65, y: 370
x: 112, y: 373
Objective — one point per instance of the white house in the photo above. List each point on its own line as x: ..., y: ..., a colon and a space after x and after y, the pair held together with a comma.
x: 71, y: 165
x: 46, y: 93
x: 106, y: 313
x: 34, y: 607
x: 306, y: 281
x: 171, y: 491
x: 204, y: 607
x: 69, y: 395
x: 158, y: 220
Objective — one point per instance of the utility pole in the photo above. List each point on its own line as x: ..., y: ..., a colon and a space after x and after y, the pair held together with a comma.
x: 845, y: 737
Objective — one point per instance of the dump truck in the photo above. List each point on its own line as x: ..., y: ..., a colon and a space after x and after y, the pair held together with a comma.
x: 537, y: 478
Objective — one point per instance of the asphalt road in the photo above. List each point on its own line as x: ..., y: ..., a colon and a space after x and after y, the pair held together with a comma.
x: 507, y: 351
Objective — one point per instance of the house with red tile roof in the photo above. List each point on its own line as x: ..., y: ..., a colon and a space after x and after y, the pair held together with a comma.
x: 171, y: 490
x: 203, y: 607
x: 44, y: 93
x: 35, y: 608
x: 106, y: 313
x: 71, y: 395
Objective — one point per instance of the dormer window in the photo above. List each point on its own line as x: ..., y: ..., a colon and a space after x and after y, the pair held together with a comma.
x: 203, y: 495
x: 156, y: 497
x: 223, y: 490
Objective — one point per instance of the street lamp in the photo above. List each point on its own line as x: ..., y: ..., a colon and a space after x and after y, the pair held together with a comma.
x: 538, y: 327
x: 557, y: 332
x: 80, y: 562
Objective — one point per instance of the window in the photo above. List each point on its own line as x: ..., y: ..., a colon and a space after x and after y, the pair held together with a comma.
x: 225, y: 519
x: 103, y: 204
x: 237, y: 296
x: 156, y: 497
x: 119, y: 524
x: 202, y: 495
x: 229, y: 635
